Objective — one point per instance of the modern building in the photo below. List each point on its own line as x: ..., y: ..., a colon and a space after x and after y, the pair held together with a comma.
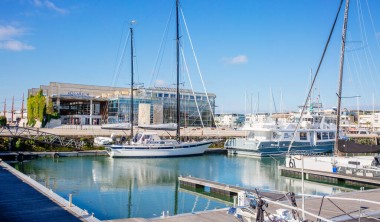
x: 94, y: 105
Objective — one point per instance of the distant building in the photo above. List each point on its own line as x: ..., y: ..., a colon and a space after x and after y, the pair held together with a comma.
x: 232, y: 120
x: 94, y: 105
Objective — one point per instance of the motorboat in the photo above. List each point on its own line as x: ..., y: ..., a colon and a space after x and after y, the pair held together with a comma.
x: 316, y: 135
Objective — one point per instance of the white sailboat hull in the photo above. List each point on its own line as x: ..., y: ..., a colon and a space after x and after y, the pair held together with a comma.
x: 174, y: 150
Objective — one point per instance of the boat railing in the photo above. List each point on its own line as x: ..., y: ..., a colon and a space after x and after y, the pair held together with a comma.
x: 230, y: 142
x: 307, y: 153
x: 360, y: 171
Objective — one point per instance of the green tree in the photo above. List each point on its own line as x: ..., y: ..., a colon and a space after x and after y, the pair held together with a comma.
x: 36, y: 108
x: 3, y: 121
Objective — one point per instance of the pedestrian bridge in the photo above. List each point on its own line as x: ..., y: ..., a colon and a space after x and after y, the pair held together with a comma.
x: 40, y: 136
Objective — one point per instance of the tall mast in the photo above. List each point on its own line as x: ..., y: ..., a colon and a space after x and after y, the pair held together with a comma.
x: 336, y: 151
x: 131, y: 114
x: 13, y: 105
x: 22, y: 107
x: 177, y: 49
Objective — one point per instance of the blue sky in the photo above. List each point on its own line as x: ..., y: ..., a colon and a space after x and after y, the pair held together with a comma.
x: 243, y: 47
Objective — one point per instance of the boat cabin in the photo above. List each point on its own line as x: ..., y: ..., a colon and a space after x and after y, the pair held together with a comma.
x: 145, y: 137
x: 287, y: 135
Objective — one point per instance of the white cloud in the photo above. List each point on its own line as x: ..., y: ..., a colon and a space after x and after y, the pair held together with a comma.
x: 8, y: 35
x: 160, y: 83
x: 240, y: 59
x: 15, y: 45
x: 50, y: 5
x: 9, y: 32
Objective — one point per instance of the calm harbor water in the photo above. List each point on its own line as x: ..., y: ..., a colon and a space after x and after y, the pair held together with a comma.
x: 121, y: 188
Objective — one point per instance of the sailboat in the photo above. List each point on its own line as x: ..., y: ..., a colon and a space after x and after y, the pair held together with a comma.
x: 358, y: 165
x: 149, y: 144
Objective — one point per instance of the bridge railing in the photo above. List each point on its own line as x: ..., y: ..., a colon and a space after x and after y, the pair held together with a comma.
x: 40, y: 136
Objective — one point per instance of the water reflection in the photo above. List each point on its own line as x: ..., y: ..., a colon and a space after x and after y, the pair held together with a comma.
x: 121, y: 188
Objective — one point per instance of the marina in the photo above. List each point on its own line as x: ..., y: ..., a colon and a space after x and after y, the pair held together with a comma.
x: 336, y: 207
x: 116, y: 189
x: 153, y: 123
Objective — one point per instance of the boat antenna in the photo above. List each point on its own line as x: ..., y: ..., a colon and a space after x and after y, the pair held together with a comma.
x: 177, y: 50
x: 339, y: 94
x: 132, y: 83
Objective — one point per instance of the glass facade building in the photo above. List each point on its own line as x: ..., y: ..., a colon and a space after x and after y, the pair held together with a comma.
x: 79, y: 104
x: 195, y: 108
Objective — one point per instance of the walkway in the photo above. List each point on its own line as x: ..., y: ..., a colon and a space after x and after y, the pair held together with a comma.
x: 23, y: 199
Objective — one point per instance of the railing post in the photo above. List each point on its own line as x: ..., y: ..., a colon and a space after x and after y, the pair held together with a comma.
x: 70, y: 200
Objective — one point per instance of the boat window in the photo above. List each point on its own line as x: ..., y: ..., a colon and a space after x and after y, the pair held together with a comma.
x: 303, y: 136
x: 166, y: 95
x: 251, y: 135
x: 155, y: 138
x: 277, y: 135
x: 199, y: 98
x: 332, y: 135
x: 354, y: 163
x: 191, y: 97
x: 137, y: 137
x: 319, y: 136
x: 172, y: 96
x: 159, y: 94
x: 146, y: 138
x: 325, y: 136
x: 286, y: 135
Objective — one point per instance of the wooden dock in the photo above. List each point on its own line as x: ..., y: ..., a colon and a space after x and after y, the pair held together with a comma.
x: 212, y: 187
x: 24, y: 199
x: 339, y: 207
x: 332, y: 178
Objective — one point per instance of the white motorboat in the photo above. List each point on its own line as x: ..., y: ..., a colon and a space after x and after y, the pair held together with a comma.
x: 317, y: 135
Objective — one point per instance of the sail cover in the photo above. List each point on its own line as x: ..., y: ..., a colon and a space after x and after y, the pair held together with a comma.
x: 165, y: 126
x: 346, y: 146
x: 117, y: 126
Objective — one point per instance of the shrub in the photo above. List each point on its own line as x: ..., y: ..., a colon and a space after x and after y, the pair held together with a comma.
x: 3, y: 121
